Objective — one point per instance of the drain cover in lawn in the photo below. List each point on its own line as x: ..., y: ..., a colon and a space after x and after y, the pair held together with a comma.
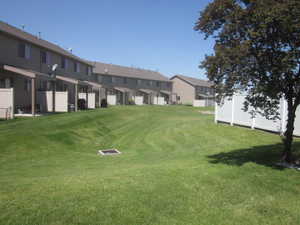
x: 109, y: 152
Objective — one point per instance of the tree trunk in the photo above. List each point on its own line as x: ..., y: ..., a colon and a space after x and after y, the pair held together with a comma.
x: 287, y: 154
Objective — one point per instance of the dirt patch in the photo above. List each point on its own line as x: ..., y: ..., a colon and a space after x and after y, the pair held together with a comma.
x: 207, y: 112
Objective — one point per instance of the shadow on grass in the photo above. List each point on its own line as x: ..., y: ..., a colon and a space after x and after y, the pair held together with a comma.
x: 266, y: 155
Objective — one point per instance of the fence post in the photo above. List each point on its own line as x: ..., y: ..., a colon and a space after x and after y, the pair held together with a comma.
x: 253, y: 123
x: 232, y: 111
x: 12, y: 103
x: 216, y: 112
x: 283, y: 121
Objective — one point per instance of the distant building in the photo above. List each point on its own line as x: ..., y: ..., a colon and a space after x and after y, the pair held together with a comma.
x: 193, y: 91
x: 127, y: 83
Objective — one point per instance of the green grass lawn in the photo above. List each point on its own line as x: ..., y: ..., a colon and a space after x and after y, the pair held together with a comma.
x: 176, y: 167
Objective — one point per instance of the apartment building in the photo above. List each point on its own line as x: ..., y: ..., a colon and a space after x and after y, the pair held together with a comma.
x: 193, y: 91
x: 126, y: 84
x: 43, y: 76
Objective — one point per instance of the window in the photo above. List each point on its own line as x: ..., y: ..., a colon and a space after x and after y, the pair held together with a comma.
x: 113, y: 79
x: 27, y: 52
x: 12, y: 82
x: 125, y: 80
x: 206, y: 90
x: 21, y: 50
x: 39, y: 85
x: 63, y: 62
x: 65, y: 87
x: 138, y: 82
x: 45, y: 57
x: 147, y: 82
x: 157, y: 83
x: 27, y: 85
x: 2, y: 83
x: 76, y: 67
x: 42, y: 85
x: 6, y: 83
x: 99, y: 78
x: 24, y: 50
x: 88, y: 70
x: 49, y: 86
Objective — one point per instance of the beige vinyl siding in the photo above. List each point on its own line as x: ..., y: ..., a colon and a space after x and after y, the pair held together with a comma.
x: 184, y: 90
x: 9, y: 55
x: 133, y: 83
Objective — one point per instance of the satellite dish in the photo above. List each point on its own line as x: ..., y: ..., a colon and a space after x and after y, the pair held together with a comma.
x: 54, y: 67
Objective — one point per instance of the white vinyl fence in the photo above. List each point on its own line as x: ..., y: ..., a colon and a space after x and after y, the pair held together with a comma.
x: 61, y: 101
x: 111, y: 99
x: 198, y: 103
x: 159, y: 101
x: 139, y: 100
x: 91, y: 101
x: 45, y: 100
x: 6, y: 103
x: 210, y: 102
x: 203, y: 102
x: 231, y: 112
x: 82, y: 95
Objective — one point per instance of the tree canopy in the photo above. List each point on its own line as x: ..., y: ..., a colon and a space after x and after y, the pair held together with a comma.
x: 257, y: 50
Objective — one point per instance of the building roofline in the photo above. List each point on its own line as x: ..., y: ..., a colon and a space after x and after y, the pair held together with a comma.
x: 30, y: 38
x: 160, y: 77
x: 177, y: 76
x: 186, y: 79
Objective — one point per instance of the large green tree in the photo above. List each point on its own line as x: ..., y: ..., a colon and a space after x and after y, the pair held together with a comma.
x: 257, y: 50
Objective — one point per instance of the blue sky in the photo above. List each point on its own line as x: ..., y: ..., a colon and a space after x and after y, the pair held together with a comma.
x: 150, y: 34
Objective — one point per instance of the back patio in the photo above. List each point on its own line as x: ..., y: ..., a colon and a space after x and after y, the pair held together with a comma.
x: 25, y: 92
